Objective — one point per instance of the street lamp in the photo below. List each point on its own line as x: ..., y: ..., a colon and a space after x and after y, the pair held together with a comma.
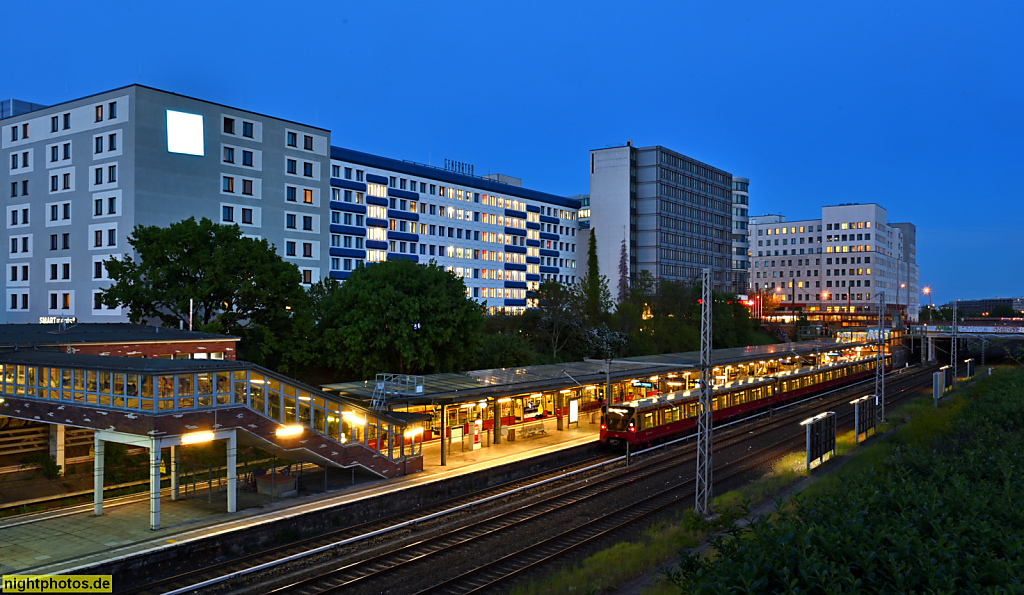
x: 928, y: 292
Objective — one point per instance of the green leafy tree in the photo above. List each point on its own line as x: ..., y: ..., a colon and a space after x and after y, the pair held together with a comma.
x: 238, y: 286
x: 399, y: 316
x: 595, y: 286
x: 560, y: 308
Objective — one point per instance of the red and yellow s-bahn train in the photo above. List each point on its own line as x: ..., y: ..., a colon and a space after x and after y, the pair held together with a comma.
x: 646, y: 421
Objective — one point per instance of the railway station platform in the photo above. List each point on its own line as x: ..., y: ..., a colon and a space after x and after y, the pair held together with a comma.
x: 63, y: 540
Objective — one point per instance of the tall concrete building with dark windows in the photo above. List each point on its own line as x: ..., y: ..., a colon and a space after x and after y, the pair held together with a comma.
x: 672, y: 211
x: 82, y: 174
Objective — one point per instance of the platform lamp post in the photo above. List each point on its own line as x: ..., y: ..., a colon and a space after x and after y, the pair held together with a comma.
x: 931, y: 312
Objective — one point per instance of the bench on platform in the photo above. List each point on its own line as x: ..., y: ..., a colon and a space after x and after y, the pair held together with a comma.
x: 533, y: 428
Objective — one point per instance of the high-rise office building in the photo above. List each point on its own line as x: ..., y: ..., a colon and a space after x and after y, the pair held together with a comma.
x: 836, y: 264
x: 671, y: 211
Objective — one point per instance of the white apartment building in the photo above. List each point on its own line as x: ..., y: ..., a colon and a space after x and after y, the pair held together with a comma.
x: 838, y: 263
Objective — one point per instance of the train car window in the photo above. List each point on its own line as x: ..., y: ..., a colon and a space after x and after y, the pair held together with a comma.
x: 648, y: 421
x: 618, y: 419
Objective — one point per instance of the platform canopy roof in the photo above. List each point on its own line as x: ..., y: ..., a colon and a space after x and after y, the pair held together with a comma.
x: 498, y: 382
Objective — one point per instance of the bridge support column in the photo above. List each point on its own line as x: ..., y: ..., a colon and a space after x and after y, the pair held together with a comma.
x: 175, y: 467
x: 559, y: 400
x: 232, y: 448
x: 57, y: 445
x: 154, y: 483
x: 931, y: 349
x: 97, y: 476
x: 444, y: 435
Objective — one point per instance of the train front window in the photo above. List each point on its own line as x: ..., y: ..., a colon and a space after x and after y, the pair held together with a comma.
x: 618, y: 419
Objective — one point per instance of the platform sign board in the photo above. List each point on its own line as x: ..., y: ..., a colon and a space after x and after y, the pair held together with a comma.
x: 938, y: 386
x: 574, y: 411
x: 864, y: 416
x: 456, y: 434
x: 947, y: 372
x: 970, y: 367
x: 821, y: 436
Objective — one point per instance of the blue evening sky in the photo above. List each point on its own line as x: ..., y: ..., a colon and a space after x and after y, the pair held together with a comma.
x: 916, y: 106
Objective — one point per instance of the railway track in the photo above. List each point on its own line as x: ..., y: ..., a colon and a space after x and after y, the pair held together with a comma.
x: 475, y: 536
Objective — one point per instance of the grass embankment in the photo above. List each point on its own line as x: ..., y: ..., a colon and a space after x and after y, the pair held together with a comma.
x: 933, y: 508
x: 844, y: 514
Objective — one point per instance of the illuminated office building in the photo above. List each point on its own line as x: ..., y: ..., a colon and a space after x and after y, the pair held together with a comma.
x: 82, y: 174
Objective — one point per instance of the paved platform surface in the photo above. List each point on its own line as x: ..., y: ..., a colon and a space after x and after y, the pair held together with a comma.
x: 62, y: 541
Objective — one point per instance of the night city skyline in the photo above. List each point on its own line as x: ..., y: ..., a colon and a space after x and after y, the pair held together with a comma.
x: 911, y: 107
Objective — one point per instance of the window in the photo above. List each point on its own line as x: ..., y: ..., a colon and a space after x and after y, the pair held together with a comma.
x: 289, y: 193
x: 14, y: 161
x: 54, y: 123
x: 54, y: 212
x: 67, y: 210
x: 99, y: 113
x: 307, y: 196
x: 24, y: 187
x: 97, y: 270
x: 53, y: 301
x: 111, y: 174
x: 247, y: 187
x: 289, y: 221
x: 98, y: 238
x: 65, y: 271
x: 53, y: 242
x: 292, y: 139
x: 348, y: 173
x: 289, y: 248
x: 229, y: 184
x: 111, y: 237
x: 229, y: 125
x: 54, y: 153
x: 112, y: 142
x: 98, y: 210
x: 247, y: 158
x: 53, y: 185
x: 65, y: 241
x: 227, y: 214
x: 307, y: 250
x: 99, y: 145
x: 98, y: 178
x: 307, y: 223
x: 247, y: 216
x: 14, y: 133
x: 112, y: 205
x: 307, y: 142
x: 348, y: 196
x: 66, y: 179
x: 112, y: 110
x: 247, y: 129
x: 307, y: 276
x: 359, y: 175
x: 291, y: 166
x: 67, y: 121
x: 307, y: 169
x: 229, y: 155
x: 97, y: 302
x: 67, y: 150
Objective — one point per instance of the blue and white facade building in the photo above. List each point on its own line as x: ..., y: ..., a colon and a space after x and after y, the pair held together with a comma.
x: 501, y: 239
x: 83, y: 173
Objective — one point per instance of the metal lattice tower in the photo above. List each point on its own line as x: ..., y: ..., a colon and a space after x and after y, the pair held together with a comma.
x: 880, y: 358
x: 703, y: 504
x: 952, y: 349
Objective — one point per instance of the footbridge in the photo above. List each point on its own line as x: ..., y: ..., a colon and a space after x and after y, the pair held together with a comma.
x: 158, y: 403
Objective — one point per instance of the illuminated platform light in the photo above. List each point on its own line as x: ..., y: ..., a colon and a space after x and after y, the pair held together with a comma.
x: 197, y: 437
x: 290, y: 430
x: 353, y: 418
x: 413, y: 432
